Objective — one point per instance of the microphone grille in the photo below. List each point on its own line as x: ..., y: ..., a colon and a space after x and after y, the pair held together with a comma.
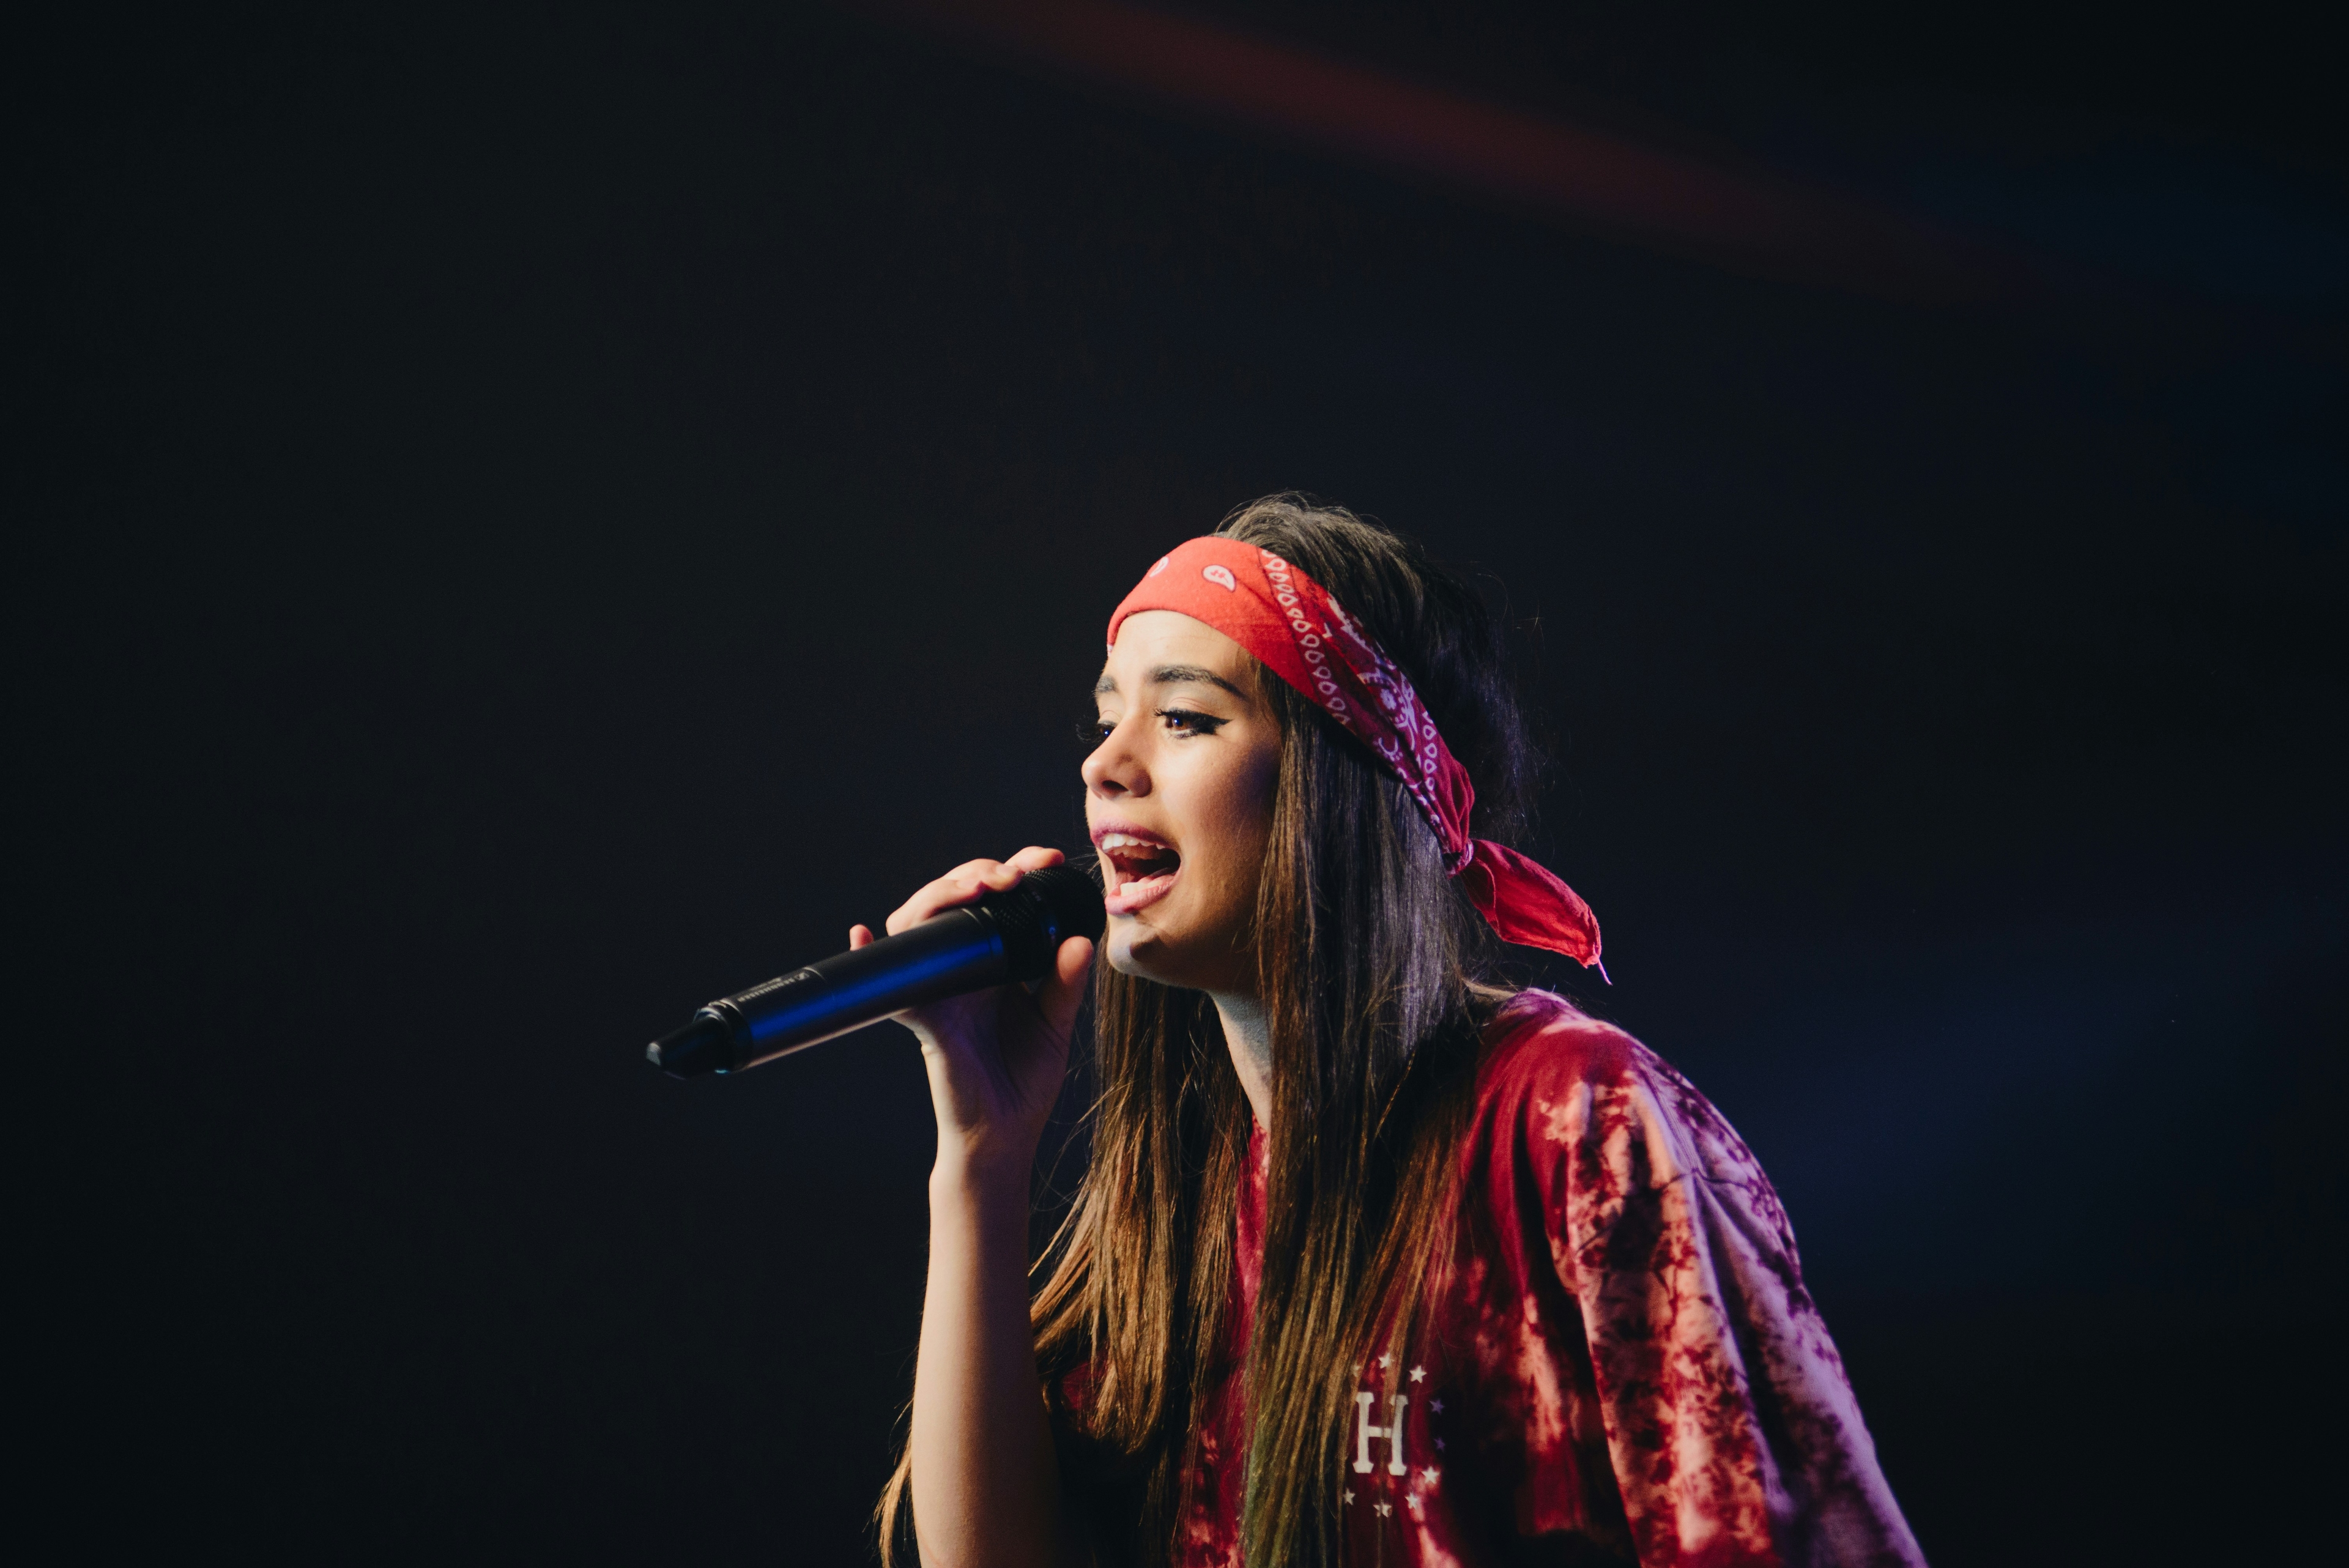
x: 1071, y: 901
x: 1046, y: 908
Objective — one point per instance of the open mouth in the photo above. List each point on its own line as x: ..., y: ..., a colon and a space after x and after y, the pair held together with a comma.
x: 1136, y: 869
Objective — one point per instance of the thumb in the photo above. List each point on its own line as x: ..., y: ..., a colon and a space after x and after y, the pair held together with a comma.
x: 1064, y: 988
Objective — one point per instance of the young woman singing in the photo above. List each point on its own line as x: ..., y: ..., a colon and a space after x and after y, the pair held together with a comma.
x: 1376, y: 1260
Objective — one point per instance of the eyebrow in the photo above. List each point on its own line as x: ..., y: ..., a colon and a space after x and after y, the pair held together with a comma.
x: 1174, y: 675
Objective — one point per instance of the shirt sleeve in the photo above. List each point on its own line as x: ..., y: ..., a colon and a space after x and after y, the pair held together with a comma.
x: 1729, y: 1423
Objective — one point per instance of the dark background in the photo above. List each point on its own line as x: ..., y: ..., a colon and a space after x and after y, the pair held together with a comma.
x: 529, y: 519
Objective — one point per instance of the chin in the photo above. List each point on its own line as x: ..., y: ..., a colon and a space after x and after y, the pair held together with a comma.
x: 1120, y: 946
x: 1141, y: 952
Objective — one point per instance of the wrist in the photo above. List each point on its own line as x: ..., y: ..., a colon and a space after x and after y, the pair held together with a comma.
x: 990, y: 1178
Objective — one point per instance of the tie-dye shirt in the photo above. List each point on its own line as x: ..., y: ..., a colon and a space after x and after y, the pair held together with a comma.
x: 1621, y: 1363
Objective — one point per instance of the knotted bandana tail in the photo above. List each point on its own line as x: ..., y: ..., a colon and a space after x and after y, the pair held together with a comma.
x: 1297, y: 630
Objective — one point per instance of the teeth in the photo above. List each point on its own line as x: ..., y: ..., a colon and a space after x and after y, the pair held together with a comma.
x: 1117, y: 848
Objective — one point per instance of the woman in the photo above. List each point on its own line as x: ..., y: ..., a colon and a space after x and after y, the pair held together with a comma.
x: 1376, y: 1259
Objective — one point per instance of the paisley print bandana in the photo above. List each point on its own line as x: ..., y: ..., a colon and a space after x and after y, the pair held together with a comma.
x: 1297, y: 630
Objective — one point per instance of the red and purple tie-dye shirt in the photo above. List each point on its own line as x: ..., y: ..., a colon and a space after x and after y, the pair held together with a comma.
x: 1621, y: 1362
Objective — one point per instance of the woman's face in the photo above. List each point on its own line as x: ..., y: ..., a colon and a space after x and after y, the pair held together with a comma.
x: 1179, y: 798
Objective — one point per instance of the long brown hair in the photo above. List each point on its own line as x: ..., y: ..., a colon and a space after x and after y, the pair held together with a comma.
x: 1376, y: 977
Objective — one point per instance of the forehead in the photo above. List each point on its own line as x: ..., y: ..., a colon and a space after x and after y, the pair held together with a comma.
x: 1150, y: 638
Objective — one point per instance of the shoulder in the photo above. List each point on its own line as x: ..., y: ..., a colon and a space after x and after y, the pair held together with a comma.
x: 1546, y: 1059
x: 1539, y: 1039
x: 1575, y: 1101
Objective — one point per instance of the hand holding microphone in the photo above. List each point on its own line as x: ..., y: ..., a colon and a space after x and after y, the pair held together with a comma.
x: 952, y: 968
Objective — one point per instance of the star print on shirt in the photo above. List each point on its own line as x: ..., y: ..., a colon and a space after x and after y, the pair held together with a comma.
x: 1384, y: 1510
x: 1385, y: 1362
x: 1346, y: 1496
x: 1428, y: 1475
x: 1435, y: 1406
x: 1413, y: 1500
x: 1419, y: 1374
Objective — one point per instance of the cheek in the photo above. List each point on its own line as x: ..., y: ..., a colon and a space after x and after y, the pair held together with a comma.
x: 1237, y: 816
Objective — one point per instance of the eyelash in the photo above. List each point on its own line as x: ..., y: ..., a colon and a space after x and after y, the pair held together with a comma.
x: 1181, y: 721
x: 1199, y: 723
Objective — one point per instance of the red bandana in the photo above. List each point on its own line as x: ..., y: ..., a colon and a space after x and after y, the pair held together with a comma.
x: 1299, y: 633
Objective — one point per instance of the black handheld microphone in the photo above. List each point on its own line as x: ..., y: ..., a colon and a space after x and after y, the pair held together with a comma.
x: 1004, y: 937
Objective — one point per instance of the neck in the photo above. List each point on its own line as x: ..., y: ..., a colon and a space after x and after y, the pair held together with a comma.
x: 1250, y: 1038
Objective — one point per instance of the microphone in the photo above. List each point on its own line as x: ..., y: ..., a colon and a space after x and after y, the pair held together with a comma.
x: 1010, y: 936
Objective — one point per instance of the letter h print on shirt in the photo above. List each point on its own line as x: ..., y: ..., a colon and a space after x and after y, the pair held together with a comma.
x: 1364, y: 1400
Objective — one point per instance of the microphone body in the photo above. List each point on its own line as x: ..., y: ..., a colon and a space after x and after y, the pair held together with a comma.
x: 1005, y: 937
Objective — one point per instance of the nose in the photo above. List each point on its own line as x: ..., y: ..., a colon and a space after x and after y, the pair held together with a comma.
x: 1115, y: 768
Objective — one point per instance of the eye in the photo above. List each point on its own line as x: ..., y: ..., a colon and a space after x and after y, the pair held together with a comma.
x: 1094, y: 732
x: 1189, y: 721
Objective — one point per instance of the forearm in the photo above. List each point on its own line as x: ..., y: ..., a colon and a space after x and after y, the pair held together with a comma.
x: 986, y: 1490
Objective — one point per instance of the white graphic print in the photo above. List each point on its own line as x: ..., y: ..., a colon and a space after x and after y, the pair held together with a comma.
x: 1404, y: 1488
x: 1159, y: 567
x: 1391, y: 1432
x: 1221, y: 576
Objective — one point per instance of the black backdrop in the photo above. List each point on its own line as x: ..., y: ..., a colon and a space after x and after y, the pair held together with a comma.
x: 533, y: 519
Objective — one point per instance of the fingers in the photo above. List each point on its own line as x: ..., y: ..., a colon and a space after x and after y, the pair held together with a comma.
x: 965, y: 882
x: 1036, y: 857
x: 859, y: 937
x: 961, y: 885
